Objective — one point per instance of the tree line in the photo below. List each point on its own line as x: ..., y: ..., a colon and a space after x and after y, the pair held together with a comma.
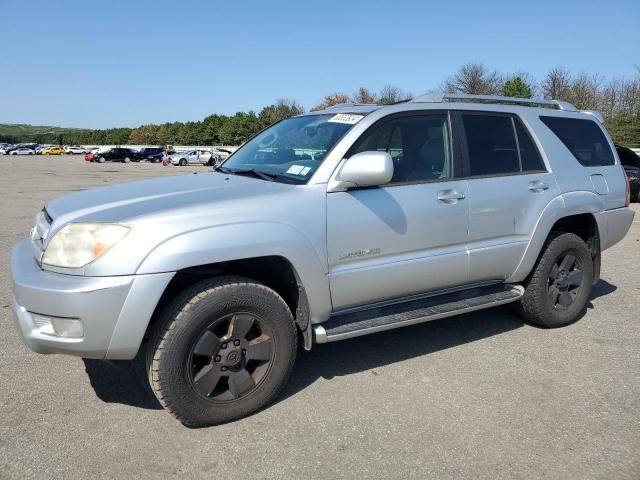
x: 618, y: 99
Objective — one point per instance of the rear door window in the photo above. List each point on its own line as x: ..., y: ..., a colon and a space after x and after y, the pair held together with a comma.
x: 491, y: 144
x: 584, y: 139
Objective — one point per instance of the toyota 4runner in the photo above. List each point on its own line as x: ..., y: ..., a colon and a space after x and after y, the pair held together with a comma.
x: 326, y: 226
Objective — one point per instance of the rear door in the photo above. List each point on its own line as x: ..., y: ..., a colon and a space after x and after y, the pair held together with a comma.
x: 509, y: 187
x: 406, y: 237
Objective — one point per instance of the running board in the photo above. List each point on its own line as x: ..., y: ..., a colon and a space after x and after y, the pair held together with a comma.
x: 378, y: 319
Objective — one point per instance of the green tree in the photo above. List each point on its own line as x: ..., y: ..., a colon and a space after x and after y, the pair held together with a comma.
x: 517, y: 87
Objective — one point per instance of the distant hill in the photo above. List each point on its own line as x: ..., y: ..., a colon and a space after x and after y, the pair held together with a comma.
x: 18, y: 129
x: 17, y: 133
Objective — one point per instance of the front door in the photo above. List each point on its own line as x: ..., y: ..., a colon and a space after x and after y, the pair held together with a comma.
x: 407, y: 237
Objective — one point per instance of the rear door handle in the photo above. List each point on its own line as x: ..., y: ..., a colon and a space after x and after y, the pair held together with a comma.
x: 538, y: 186
x: 450, y: 196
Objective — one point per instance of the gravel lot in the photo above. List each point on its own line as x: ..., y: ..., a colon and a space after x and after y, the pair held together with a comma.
x: 477, y: 396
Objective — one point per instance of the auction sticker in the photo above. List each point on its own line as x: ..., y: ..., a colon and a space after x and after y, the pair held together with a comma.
x: 349, y: 118
x: 295, y: 169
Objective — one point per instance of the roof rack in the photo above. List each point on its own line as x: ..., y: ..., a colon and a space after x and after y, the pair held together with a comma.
x: 495, y: 99
x: 351, y: 104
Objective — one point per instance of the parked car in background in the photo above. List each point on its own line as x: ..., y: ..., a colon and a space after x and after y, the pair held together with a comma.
x: 75, y: 150
x: 17, y: 146
x: 116, y: 154
x: 4, y: 150
x: 633, y: 176
x: 150, y: 154
x: 89, y: 156
x: 631, y: 163
x: 191, y: 157
x: 23, y: 151
x: 52, y: 151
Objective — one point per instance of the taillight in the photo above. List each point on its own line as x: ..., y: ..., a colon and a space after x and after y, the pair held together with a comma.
x: 627, y: 199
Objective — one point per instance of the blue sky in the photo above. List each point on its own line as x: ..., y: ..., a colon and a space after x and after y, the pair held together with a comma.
x: 114, y: 63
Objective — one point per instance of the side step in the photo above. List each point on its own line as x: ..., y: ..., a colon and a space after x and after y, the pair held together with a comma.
x: 377, y: 319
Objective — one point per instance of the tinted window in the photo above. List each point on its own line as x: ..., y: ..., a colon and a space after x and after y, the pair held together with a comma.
x: 491, y: 144
x: 583, y: 138
x: 418, y: 144
x: 628, y: 156
x: 529, y: 155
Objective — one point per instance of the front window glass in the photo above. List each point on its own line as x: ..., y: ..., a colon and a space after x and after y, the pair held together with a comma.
x: 291, y: 150
x: 418, y: 145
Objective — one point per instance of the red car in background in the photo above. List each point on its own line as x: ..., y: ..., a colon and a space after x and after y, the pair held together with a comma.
x: 88, y: 157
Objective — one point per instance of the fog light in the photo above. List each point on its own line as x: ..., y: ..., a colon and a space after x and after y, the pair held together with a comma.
x: 58, y: 327
x: 43, y: 324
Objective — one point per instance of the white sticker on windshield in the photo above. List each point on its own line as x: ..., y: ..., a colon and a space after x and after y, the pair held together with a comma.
x: 305, y: 170
x: 295, y: 169
x: 349, y: 118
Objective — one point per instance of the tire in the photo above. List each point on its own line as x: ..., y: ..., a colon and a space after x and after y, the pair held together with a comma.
x: 126, y: 160
x: 194, y: 337
x: 557, y: 290
x: 182, y: 162
x: 101, y: 160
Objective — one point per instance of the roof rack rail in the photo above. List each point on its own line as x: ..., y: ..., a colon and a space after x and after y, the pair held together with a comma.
x: 466, y: 98
x: 351, y: 104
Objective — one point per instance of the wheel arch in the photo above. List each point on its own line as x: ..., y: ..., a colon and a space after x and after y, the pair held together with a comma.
x: 276, y: 272
x: 574, y: 212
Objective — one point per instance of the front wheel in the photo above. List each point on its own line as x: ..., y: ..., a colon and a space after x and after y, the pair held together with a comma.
x: 182, y: 162
x: 557, y: 291
x: 101, y: 159
x: 222, y: 350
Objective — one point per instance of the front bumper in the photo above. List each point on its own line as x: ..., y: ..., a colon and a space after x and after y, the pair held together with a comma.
x: 114, y: 311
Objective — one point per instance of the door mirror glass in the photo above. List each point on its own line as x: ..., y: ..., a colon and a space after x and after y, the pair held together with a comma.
x: 366, y: 169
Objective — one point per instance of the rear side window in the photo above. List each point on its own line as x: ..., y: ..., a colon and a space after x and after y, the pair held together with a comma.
x: 529, y: 155
x: 583, y: 138
x: 491, y: 144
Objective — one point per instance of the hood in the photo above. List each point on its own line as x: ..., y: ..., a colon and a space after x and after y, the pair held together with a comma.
x: 170, y: 197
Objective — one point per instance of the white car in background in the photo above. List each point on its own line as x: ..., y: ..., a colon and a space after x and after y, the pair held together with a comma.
x: 75, y: 150
x: 23, y: 151
x: 191, y: 157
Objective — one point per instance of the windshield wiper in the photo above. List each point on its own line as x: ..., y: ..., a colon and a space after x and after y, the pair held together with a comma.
x: 271, y: 177
x: 252, y: 172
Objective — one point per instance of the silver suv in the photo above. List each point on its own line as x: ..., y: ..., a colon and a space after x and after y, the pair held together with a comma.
x: 326, y: 226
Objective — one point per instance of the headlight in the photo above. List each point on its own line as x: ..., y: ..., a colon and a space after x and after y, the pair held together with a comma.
x: 78, y: 244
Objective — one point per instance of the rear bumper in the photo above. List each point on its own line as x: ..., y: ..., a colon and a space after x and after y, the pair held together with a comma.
x: 613, y: 225
x: 114, y: 311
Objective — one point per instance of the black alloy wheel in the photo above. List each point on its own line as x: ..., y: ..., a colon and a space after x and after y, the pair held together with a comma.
x: 565, y: 281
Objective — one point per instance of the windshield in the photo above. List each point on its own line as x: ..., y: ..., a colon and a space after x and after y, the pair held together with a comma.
x: 293, y: 149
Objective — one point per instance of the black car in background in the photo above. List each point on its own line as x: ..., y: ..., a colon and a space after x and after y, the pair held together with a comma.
x: 116, y: 154
x: 631, y: 164
x: 150, y: 154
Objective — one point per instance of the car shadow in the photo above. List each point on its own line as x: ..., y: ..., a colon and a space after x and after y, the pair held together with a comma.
x: 124, y: 381
x: 121, y: 381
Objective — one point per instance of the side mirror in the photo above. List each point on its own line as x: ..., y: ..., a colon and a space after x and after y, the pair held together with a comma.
x: 365, y: 169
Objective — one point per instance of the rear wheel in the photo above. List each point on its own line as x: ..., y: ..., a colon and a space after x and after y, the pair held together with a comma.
x: 557, y: 291
x: 223, y: 349
x: 127, y: 160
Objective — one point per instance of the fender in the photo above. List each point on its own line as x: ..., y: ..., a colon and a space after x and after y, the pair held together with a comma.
x: 564, y: 205
x: 238, y: 241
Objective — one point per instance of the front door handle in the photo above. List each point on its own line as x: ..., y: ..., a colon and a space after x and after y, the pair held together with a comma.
x: 538, y: 186
x: 450, y: 196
